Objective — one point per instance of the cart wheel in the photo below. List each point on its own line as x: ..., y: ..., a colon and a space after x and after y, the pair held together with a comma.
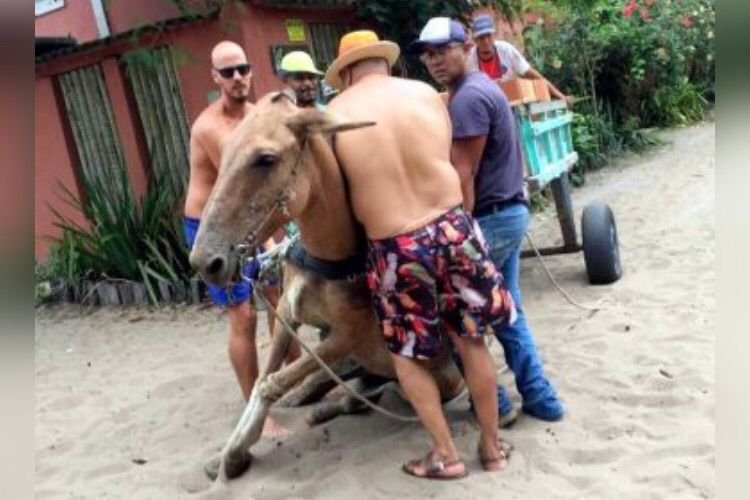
x: 601, y: 250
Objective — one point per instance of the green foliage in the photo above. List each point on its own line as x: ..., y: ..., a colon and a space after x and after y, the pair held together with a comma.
x: 677, y: 105
x: 124, y: 239
x: 632, y: 64
x: 540, y: 201
x: 629, y: 54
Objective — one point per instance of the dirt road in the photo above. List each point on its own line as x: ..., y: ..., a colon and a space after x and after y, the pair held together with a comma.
x: 129, y: 404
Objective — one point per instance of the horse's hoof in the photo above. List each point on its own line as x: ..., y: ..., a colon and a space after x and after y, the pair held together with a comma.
x: 212, y: 467
x: 235, y: 465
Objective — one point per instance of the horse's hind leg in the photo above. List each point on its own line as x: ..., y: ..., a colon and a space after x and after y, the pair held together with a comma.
x: 317, y: 385
x: 369, y: 386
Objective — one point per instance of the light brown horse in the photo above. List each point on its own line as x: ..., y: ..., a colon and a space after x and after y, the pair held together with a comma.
x: 278, y: 166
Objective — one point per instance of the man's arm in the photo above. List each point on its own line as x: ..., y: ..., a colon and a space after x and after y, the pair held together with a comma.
x: 526, y: 70
x: 202, y: 175
x: 466, y: 154
x: 534, y: 74
x: 200, y: 161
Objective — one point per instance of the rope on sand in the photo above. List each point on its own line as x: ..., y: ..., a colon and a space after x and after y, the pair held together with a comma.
x: 565, y: 294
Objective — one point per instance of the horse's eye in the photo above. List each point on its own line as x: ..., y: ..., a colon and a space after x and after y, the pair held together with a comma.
x: 266, y: 161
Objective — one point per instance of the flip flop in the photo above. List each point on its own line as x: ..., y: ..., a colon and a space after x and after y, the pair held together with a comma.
x: 434, y: 467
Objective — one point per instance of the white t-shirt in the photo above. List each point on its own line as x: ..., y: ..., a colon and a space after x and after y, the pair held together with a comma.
x: 512, y: 62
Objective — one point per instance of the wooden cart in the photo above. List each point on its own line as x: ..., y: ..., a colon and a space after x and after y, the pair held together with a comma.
x: 547, y: 144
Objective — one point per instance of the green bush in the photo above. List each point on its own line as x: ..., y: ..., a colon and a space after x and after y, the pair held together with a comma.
x: 632, y: 64
x: 124, y: 239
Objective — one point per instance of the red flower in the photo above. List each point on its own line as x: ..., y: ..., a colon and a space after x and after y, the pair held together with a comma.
x: 687, y: 21
x: 645, y: 14
x: 629, y: 9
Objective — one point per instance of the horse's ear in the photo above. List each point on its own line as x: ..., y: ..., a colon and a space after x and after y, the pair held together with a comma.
x: 311, y: 121
x: 288, y: 93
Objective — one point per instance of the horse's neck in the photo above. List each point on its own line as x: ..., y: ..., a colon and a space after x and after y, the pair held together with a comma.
x: 326, y: 225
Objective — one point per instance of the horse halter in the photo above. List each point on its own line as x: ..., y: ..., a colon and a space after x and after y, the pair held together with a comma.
x: 281, y: 203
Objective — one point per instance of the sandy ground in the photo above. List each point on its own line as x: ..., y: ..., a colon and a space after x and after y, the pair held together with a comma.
x: 130, y: 404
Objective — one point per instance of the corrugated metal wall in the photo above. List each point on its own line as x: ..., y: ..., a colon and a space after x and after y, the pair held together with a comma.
x: 160, y: 106
x: 92, y: 122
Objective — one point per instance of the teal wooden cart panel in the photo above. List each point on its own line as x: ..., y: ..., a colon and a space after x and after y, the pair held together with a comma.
x: 546, y: 140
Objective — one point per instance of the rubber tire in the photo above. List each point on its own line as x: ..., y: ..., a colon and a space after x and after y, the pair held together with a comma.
x: 601, y: 249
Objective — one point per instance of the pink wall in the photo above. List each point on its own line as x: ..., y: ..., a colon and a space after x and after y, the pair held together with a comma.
x: 510, y: 32
x: 124, y: 15
x: 263, y: 27
x: 194, y: 73
x: 52, y: 165
x: 256, y: 28
x: 75, y: 18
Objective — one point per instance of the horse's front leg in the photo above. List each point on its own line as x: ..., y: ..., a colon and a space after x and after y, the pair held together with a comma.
x: 235, y: 457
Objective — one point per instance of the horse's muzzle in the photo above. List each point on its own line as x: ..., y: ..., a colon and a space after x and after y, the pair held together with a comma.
x: 216, y: 268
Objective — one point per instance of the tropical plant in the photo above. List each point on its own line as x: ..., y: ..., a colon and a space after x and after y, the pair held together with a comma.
x: 124, y: 239
x: 629, y: 55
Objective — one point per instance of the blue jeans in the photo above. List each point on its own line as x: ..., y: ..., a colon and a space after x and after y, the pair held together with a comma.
x: 504, y: 232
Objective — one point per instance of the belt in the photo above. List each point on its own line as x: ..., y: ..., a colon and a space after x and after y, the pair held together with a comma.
x: 494, y: 208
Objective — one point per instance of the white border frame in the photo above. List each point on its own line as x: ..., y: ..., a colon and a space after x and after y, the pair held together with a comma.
x: 42, y: 7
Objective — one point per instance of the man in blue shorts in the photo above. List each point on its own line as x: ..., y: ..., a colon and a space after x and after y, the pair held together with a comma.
x: 232, y: 74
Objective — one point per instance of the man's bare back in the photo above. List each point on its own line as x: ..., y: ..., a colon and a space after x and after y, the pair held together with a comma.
x: 399, y: 171
x: 210, y: 130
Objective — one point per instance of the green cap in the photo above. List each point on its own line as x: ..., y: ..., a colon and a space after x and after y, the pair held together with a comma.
x: 298, y: 62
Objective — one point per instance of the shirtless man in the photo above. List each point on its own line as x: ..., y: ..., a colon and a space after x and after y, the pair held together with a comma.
x: 428, y: 271
x: 231, y: 73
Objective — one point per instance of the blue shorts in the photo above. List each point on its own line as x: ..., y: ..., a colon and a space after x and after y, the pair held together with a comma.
x: 230, y: 295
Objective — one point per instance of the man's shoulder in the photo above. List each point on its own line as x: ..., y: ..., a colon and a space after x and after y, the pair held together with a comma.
x: 512, y: 54
x: 395, y: 87
x: 505, y: 46
x: 477, y: 84
x: 409, y: 83
x: 206, y: 119
x: 477, y: 92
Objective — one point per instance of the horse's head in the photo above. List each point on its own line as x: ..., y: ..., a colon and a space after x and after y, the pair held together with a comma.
x: 264, y: 181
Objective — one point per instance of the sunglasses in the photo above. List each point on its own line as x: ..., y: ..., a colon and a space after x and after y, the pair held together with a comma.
x: 228, y: 72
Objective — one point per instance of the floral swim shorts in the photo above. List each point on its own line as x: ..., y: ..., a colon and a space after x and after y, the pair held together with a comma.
x: 433, y: 278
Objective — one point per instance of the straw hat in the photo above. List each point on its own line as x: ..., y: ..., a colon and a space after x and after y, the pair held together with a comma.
x: 356, y: 46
